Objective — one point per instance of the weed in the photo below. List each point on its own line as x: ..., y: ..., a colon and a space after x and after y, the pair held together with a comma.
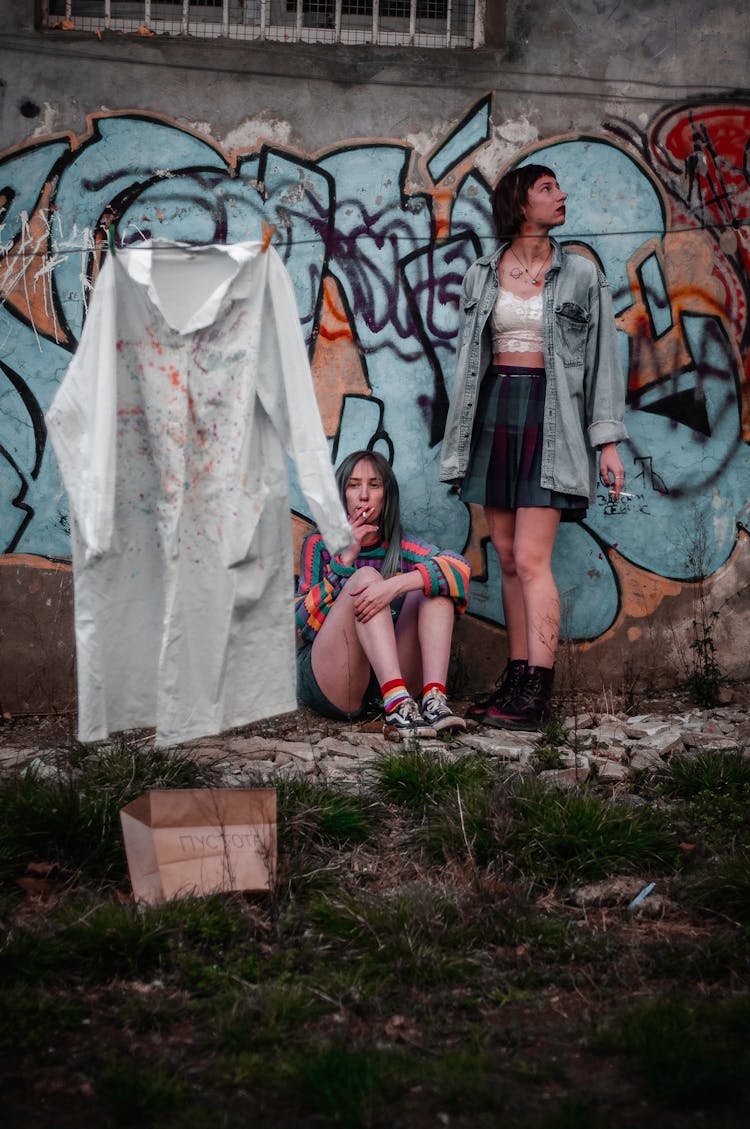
x: 346, y: 1084
x: 705, y: 677
x: 416, y: 938
x: 97, y: 940
x: 553, y: 735
x: 142, y: 1092
x: 567, y: 836
x: 418, y: 779
x: 687, y: 1053
x: 723, y: 887
x: 70, y: 815
x: 727, y: 772
x: 274, y: 1013
x: 723, y: 957
x: 474, y: 1071
x: 547, y: 756
x: 31, y: 1017
x: 321, y: 813
x: 714, y: 788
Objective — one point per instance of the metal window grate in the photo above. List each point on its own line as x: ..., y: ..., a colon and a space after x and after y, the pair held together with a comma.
x: 418, y: 23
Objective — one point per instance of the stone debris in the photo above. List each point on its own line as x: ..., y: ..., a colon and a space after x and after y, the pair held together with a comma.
x: 608, y: 747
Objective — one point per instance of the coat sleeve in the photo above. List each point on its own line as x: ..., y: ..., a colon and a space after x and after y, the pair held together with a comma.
x: 305, y: 439
x: 605, y: 384
x: 320, y: 581
x: 444, y: 572
x: 82, y: 421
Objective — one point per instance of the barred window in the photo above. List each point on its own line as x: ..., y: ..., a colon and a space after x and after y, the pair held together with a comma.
x: 419, y: 23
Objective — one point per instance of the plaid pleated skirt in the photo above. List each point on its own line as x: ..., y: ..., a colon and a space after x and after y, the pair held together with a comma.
x: 505, y: 464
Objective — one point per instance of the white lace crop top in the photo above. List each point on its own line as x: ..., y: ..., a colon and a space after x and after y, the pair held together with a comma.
x: 516, y: 324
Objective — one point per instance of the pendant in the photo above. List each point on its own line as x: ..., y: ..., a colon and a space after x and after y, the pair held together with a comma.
x: 535, y: 282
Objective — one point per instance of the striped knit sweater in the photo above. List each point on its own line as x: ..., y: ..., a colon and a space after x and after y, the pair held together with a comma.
x: 444, y: 573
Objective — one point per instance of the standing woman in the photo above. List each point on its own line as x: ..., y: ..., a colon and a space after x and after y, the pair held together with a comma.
x: 377, y: 620
x: 538, y: 396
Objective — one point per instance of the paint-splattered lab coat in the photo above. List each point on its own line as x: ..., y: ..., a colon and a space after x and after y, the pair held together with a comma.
x: 190, y: 385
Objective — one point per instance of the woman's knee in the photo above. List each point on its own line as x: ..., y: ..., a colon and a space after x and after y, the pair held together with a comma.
x: 361, y: 576
x: 531, y: 566
x: 507, y: 557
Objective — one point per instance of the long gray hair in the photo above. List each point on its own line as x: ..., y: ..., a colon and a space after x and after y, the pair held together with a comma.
x: 389, y: 522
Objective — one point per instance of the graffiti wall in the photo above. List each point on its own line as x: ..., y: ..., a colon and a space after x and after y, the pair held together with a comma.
x: 377, y: 237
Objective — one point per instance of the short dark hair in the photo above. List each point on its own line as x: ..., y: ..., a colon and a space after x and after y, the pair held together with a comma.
x: 390, y: 516
x: 510, y: 195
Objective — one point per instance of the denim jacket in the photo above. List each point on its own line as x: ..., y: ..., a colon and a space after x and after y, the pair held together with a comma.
x: 585, y: 399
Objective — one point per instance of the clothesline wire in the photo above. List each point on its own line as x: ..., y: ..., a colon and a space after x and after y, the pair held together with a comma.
x: 142, y: 245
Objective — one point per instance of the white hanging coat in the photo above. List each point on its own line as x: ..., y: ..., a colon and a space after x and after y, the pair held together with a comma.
x: 190, y: 384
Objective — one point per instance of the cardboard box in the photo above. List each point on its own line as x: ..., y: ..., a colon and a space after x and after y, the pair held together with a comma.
x: 195, y: 841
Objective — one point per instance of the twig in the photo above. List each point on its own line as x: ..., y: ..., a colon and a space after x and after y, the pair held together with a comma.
x: 469, y: 851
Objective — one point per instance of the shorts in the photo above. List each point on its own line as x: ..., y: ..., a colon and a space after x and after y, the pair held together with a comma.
x: 311, y: 695
x: 505, y: 464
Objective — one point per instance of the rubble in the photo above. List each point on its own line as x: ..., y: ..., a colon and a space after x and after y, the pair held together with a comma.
x: 608, y: 747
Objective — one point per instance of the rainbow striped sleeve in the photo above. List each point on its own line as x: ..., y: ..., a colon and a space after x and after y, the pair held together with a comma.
x: 320, y: 580
x: 444, y: 572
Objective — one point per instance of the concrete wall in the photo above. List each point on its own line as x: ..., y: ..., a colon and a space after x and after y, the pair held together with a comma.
x: 375, y: 167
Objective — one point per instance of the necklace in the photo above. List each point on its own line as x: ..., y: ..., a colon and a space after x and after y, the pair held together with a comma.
x: 534, y: 278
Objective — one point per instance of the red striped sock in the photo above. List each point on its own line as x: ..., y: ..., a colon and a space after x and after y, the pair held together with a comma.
x: 393, y: 692
x: 430, y: 686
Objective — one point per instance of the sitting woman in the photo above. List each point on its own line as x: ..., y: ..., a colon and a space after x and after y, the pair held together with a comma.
x: 377, y: 620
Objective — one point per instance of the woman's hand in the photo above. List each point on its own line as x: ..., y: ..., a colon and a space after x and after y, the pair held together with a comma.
x: 371, y: 597
x: 611, y: 470
x: 364, y: 532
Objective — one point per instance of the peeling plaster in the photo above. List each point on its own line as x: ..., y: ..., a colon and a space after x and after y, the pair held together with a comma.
x: 507, y: 140
x: 49, y: 121
x: 251, y: 131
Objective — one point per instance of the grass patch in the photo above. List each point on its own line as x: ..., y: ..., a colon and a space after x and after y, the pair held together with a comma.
x: 320, y: 814
x: 143, y: 1093
x: 414, y: 964
x: 723, y: 887
x: 712, y: 790
x: 409, y: 939
x: 420, y: 780
x: 576, y: 835
x: 68, y: 814
x: 92, y: 940
x: 726, y: 773
x: 33, y: 1017
x: 347, y: 1085
x: 687, y: 1053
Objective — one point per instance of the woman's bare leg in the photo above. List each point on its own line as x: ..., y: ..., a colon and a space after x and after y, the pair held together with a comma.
x: 502, y: 528
x: 524, y: 540
x: 423, y: 635
x: 345, y: 650
x: 536, y: 530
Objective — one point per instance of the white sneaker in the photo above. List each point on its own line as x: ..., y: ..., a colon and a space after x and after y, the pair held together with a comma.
x: 407, y: 721
x: 437, y: 713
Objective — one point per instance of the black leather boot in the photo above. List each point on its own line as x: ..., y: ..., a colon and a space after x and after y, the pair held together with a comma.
x: 508, y: 686
x: 531, y: 704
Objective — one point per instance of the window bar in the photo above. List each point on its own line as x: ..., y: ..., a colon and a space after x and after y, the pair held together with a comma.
x: 263, y: 18
x: 225, y: 17
x: 449, y: 23
x: 299, y: 19
x: 337, y: 21
x: 375, y: 21
x: 412, y: 20
x: 185, y: 16
x: 146, y: 11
